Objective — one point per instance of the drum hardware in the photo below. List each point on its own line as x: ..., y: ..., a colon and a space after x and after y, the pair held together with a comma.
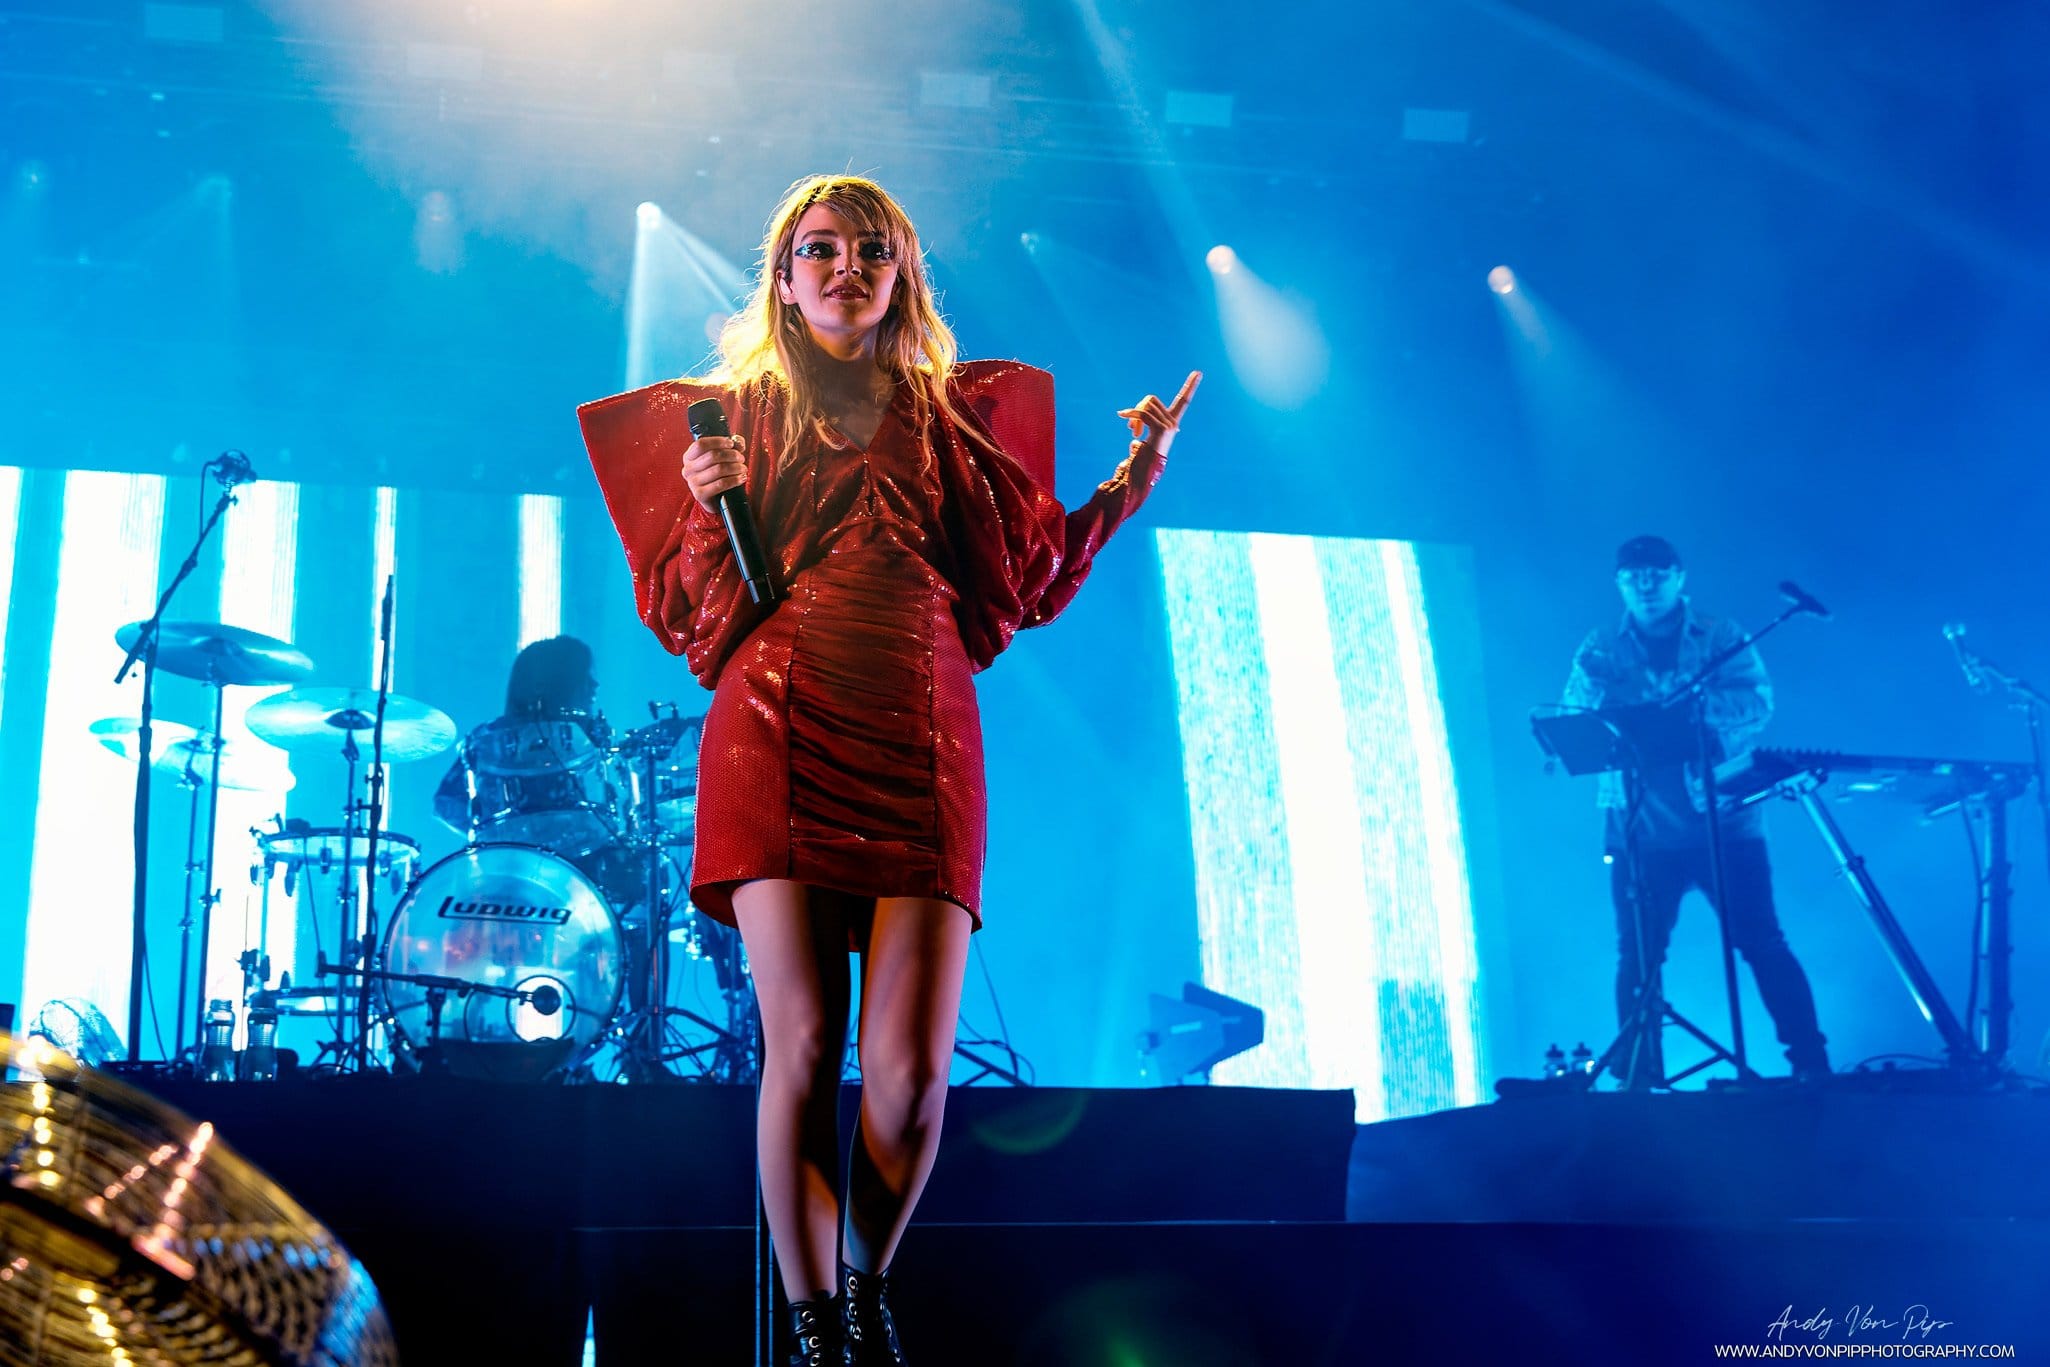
x: 221, y: 657
x: 288, y: 1000
x: 545, y: 998
x: 664, y: 754
x: 329, y: 721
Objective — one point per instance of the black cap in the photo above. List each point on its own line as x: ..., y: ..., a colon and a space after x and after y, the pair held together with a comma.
x: 1647, y: 553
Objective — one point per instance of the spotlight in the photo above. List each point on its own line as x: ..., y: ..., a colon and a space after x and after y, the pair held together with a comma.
x: 1029, y: 241
x: 33, y: 174
x: 649, y: 214
x: 1502, y: 280
x: 1221, y: 259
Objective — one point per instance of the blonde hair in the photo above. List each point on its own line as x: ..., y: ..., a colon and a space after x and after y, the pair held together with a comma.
x: 767, y: 344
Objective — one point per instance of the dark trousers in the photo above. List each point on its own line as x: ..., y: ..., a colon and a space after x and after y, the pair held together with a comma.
x: 1666, y: 877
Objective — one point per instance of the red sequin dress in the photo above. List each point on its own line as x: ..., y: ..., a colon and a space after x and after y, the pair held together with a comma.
x: 843, y: 748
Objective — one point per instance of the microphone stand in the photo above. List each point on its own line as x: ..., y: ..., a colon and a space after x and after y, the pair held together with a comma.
x: 1694, y: 693
x: 145, y: 651
x: 2033, y: 703
x: 377, y: 777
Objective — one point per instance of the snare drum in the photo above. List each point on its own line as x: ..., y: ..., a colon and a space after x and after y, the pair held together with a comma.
x: 532, y: 933
x: 547, y: 781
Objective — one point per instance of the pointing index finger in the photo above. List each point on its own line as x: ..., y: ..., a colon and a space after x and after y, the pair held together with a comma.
x: 1185, y: 393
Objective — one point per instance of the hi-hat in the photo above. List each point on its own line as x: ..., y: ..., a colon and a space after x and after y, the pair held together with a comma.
x: 658, y: 737
x: 123, y: 735
x: 221, y: 654
x: 324, y: 720
x: 188, y: 755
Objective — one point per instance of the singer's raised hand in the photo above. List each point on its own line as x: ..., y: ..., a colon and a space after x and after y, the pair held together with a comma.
x: 713, y: 465
x: 1154, y: 422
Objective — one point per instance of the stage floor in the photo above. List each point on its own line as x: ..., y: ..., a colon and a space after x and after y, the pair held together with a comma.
x: 1195, y: 1226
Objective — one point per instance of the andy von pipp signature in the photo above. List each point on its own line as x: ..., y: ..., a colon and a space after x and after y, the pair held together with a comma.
x: 1914, y: 1322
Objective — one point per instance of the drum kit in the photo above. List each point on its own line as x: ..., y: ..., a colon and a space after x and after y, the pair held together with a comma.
x: 539, y: 950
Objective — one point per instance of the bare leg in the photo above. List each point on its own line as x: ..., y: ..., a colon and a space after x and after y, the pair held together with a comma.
x: 910, y: 1002
x: 797, y: 951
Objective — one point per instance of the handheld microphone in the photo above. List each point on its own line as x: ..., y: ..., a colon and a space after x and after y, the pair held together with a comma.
x: 1802, y: 600
x: 708, y: 419
x: 1975, y: 676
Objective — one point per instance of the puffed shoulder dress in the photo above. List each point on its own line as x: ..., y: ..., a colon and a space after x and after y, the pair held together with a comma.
x: 843, y: 748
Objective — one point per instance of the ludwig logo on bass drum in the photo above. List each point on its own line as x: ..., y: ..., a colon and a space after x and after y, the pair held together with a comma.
x: 503, y: 911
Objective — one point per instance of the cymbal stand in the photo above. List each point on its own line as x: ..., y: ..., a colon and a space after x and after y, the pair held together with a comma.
x: 644, y: 1048
x: 145, y: 651
x: 345, y: 914
x: 209, y: 895
x: 377, y: 776
x: 642, y: 1032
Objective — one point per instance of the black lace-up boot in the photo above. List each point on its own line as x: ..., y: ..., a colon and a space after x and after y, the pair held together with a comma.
x: 815, y: 1334
x: 865, y: 1311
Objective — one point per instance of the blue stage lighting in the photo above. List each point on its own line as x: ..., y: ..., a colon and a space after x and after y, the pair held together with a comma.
x: 1502, y: 280
x: 649, y: 214
x: 1220, y: 259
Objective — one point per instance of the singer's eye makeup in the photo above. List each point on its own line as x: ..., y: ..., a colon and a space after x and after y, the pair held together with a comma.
x: 872, y: 249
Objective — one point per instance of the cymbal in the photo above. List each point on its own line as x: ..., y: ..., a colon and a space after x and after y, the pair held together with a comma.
x: 243, y: 768
x: 220, y: 654
x: 190, y: 1254
x: 320, y: 721
x: 182, y: 753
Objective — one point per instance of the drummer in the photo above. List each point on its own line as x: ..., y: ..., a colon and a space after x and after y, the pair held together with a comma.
x: 549, y: 678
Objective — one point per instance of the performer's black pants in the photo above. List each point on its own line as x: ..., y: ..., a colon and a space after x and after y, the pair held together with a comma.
x: 1666, y: 876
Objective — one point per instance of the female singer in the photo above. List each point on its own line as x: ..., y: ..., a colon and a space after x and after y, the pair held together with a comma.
x: 906, y: 503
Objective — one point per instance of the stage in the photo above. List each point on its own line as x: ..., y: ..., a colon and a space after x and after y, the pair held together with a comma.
x: 1189, y: 1225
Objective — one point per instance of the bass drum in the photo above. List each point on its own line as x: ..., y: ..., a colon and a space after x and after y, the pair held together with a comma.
x: 529, y: 958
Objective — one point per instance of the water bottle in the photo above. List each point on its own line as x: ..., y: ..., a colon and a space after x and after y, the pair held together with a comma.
x: 260, y: 1058
x: 217, y: 1046
x: 1555, y: 1062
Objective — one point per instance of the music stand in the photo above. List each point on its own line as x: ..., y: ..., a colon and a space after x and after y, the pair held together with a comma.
x: 1630, y: 740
